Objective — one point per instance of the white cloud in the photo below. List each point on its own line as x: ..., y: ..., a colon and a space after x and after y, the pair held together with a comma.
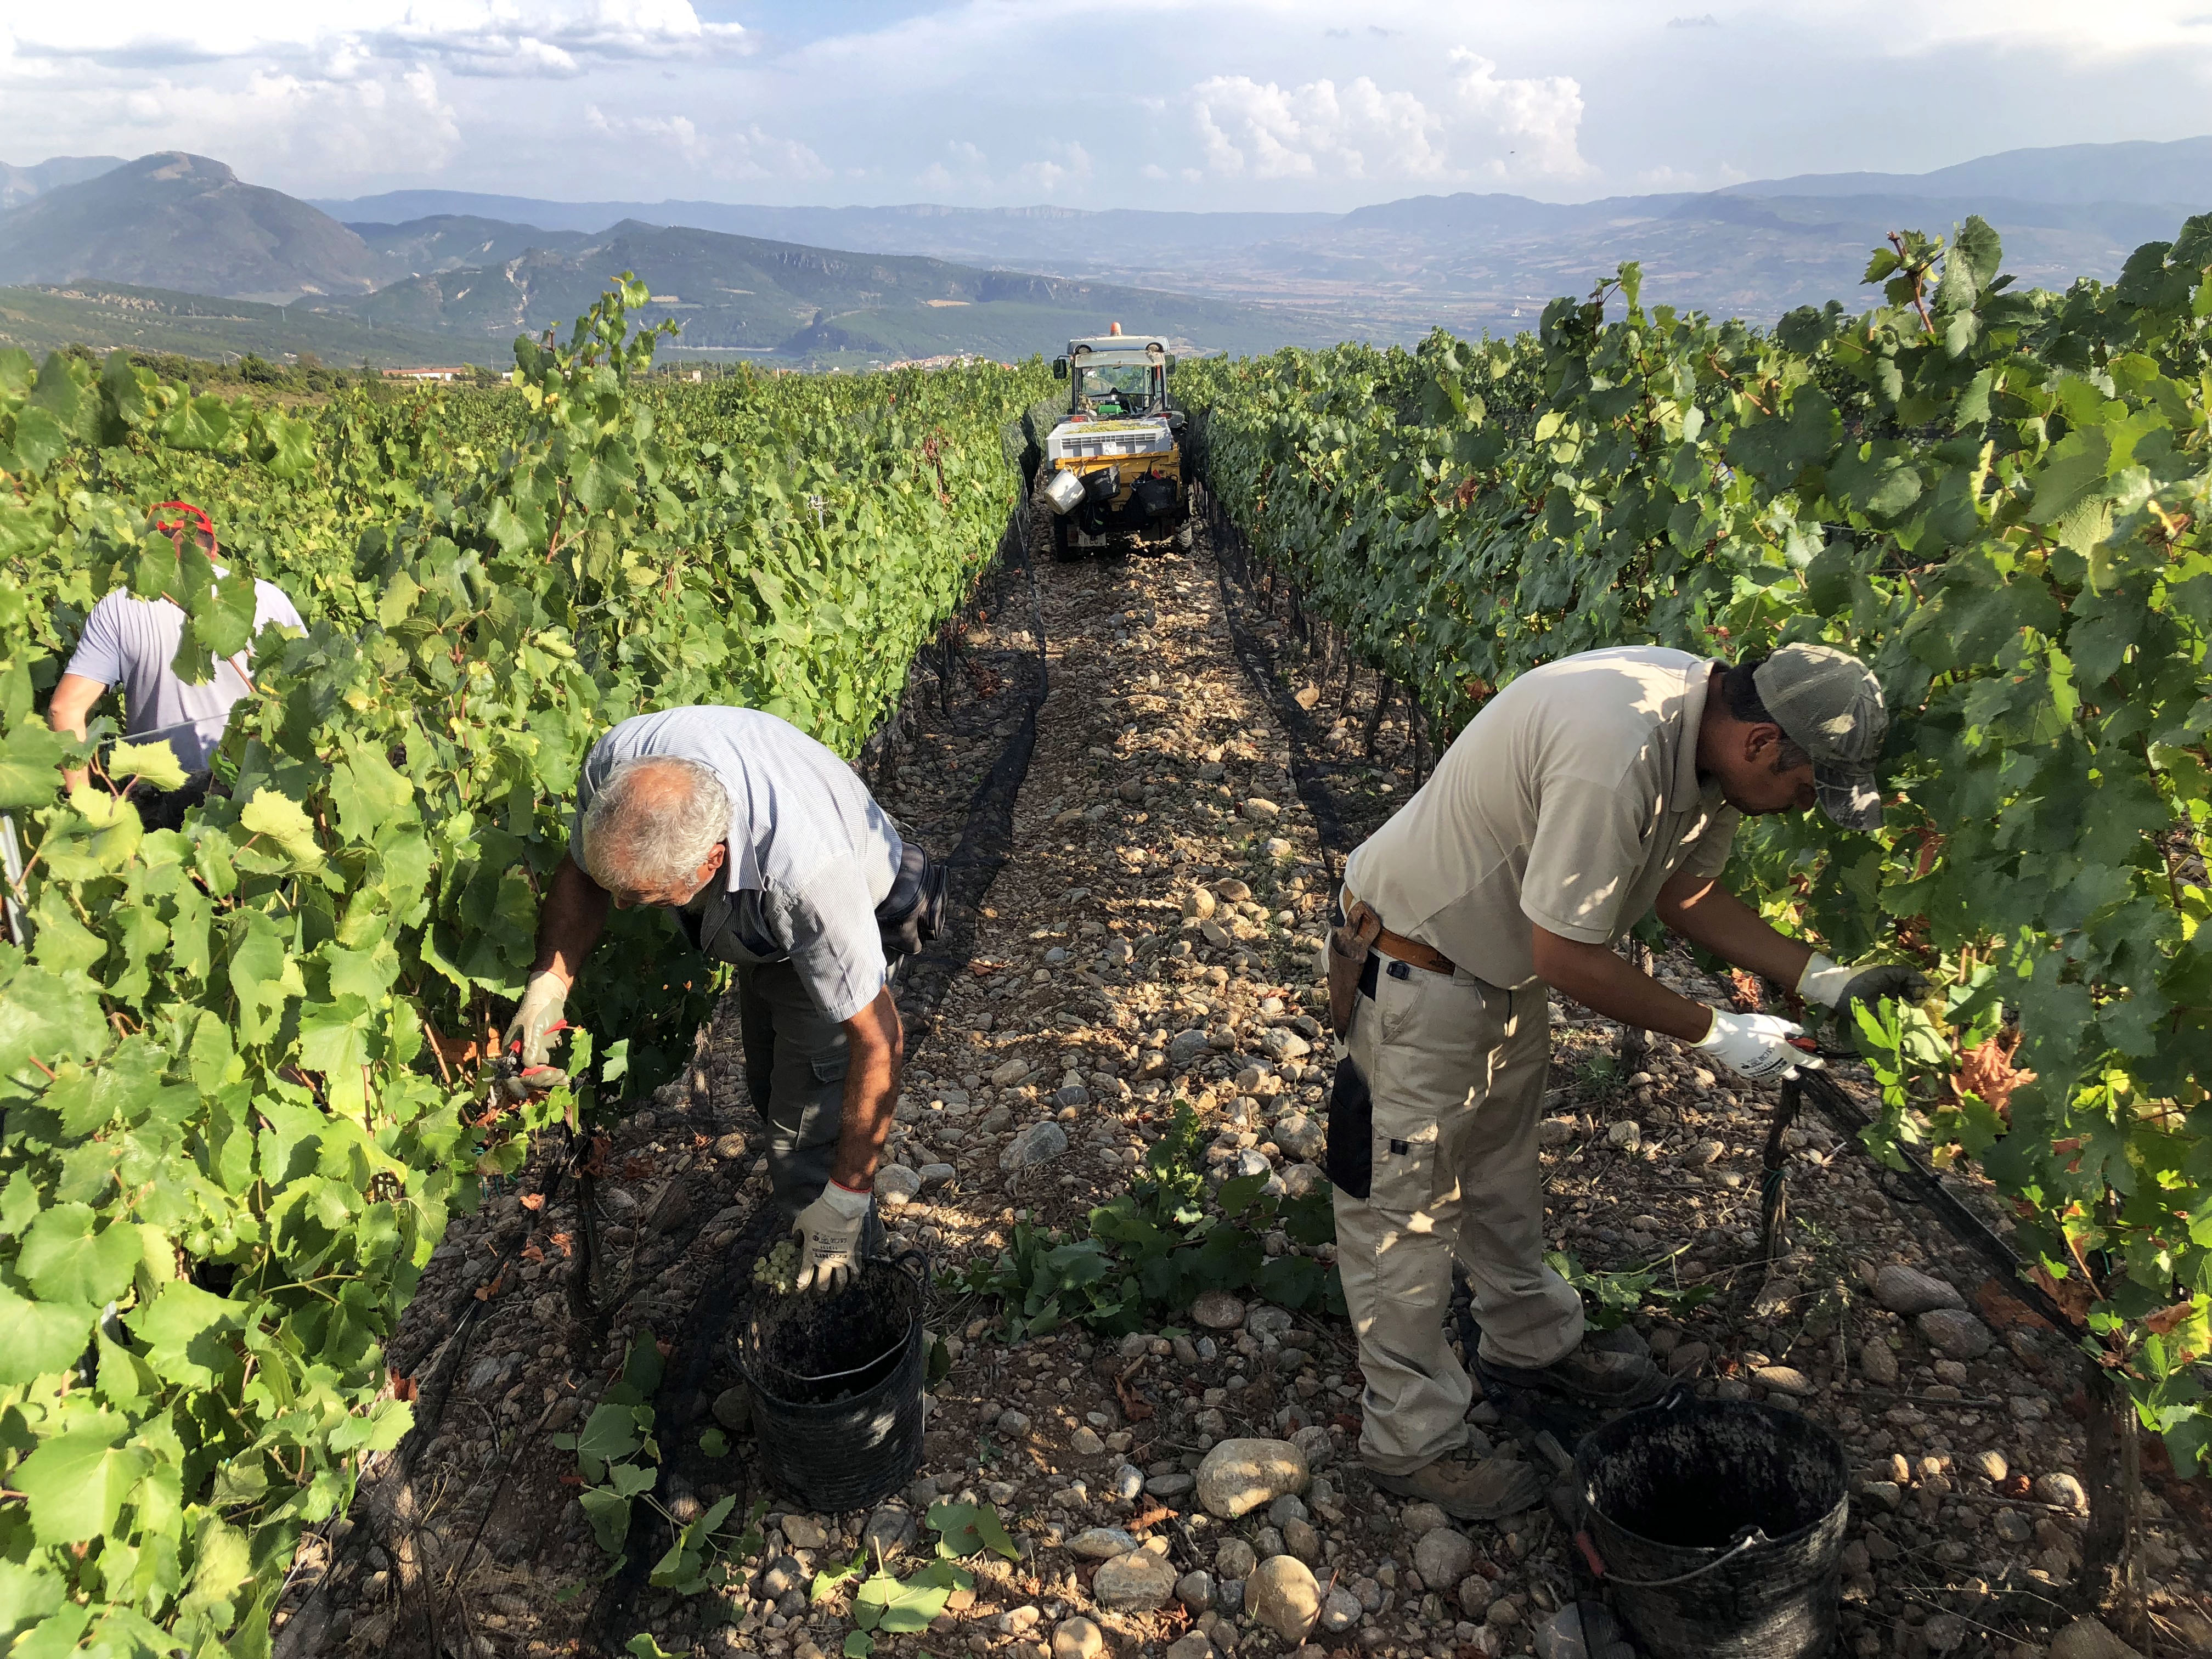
x: 1270, y: 131
x: 1500, y: 126
x: 469, y: 37
x: 1542, y: 115
x: 1066, y: 164
x: 330, y: 127
x: 738, y: 153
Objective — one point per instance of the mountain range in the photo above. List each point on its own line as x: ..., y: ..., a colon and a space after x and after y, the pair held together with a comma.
x: 133, y: 242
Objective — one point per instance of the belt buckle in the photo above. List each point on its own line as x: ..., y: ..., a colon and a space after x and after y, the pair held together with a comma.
x: 1400, y: 970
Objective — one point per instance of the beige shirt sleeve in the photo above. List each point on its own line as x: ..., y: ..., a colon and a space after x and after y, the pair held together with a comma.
x: 1583, y: 859
x: 1709, y: 853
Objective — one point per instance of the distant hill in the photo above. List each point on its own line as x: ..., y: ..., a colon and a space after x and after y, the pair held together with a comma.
x: 19, y: 185
x: 1070, y: 236
x: 105, y: 315
x: 2179, y: 172
x: 746, y: 294
x: 459, y: 273
x: 448, y: 241
x: 182, y: 222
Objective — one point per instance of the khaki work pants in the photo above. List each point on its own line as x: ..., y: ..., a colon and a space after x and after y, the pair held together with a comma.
x: 1454, y: 1069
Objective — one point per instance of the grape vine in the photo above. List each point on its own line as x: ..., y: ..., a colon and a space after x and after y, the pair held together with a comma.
x: 1996, y: 497
x: 241, y: 1065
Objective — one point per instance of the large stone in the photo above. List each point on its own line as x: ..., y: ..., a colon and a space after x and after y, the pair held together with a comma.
x: 1340, y: 1611
x: 1186, y: 1046
x: 1442, y: 1555
x: 1281, y: 1043
x: 1198, y: 904
x: 1140, y: 1582
x: 1102, y: 1543
x: 1216, y: 1310
x: 1284, y: 1596
x: 1954, y: 1333
x: 2061, y: 1490
x: 733, y: 1407
x: 1040, y: 1143
x: 1879, y: 1361
x: 1235, y: 1560
x: 890, y: 1529
x: 1300, y: 1137
x: 804, y: 1532
x: 1784, y: 1379
x: 1240, y: 1475
x: 1195, y: 1590
x: 1078, y: 1638
x: 896, y: 1185
x: 1008, y: 1073
x: 1906, y: 1291
x: 2085, y: 1639
x: 1260, y: 810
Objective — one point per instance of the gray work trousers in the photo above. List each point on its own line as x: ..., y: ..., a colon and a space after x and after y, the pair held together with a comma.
x: 795, y: 1062
x: 1455, y: 1068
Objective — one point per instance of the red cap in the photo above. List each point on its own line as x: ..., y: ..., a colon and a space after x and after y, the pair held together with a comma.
x: 175, y: 529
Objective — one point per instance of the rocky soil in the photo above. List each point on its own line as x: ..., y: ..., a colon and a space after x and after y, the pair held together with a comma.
x: 1195, y: 1491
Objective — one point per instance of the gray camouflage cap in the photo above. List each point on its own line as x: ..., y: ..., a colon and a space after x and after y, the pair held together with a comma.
x: 1829, y: 705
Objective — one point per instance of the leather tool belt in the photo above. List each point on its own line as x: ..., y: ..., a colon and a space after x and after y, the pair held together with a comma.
x: 1350, y: 970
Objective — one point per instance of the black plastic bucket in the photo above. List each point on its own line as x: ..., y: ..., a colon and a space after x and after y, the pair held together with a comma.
x: 1717, y: 1524
x: 837, y: 1386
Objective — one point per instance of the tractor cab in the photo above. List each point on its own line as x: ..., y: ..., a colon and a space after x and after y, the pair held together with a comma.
x: 1113, y: 462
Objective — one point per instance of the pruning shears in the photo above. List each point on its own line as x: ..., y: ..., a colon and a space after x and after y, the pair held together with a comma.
x: 521, y: 1082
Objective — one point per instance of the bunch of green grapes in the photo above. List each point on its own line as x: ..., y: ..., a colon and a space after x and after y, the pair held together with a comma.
x: 779, y: 1269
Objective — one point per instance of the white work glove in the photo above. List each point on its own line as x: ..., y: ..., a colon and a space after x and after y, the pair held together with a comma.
x: 829, y: 1236
x: 532, y: 1031
x: 1756, y: 1046
x: 1837, y: 985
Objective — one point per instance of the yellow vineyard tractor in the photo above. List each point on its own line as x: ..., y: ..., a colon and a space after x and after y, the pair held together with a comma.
x: 1112, y: 474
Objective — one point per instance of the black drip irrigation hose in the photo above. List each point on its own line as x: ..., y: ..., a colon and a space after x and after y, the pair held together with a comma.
x: 987, y: 841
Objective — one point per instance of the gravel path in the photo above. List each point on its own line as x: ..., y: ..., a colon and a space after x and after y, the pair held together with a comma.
x: 1150, y: 938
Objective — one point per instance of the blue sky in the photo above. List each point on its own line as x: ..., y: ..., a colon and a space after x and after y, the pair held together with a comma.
x: 1255, y: 104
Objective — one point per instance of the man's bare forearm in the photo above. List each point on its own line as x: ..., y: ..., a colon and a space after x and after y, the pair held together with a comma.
x: 1594, y: 977
x: 72, y: 702
x: 569, y: 922
x: 876, y: 1048
x: 1706, y: 913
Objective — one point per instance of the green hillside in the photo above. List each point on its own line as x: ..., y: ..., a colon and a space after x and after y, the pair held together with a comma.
x: 739, y: 294
x: 104, y: 315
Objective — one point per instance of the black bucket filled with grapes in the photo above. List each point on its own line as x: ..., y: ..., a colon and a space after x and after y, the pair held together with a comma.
x: 836, y: 1383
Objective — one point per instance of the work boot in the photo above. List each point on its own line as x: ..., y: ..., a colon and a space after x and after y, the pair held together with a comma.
x: 1468, y: 1488
x: 1589, y: 1374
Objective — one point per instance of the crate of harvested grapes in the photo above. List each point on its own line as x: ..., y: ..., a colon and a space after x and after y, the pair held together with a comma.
x: 836, y: 1381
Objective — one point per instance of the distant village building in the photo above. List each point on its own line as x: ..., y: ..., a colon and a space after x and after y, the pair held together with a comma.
x: 430, y: 373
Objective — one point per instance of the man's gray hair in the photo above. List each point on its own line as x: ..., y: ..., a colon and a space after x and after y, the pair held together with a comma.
x: 653, y: 822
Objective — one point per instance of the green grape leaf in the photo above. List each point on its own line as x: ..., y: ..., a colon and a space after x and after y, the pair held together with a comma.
x: 43, y: 1337
x: 77, y: 1480
x: 156, y: 764
x: 68, y: 1258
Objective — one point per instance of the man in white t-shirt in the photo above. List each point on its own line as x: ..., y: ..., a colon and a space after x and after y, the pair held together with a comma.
x: 131, y: 643
x: 1587, y: 794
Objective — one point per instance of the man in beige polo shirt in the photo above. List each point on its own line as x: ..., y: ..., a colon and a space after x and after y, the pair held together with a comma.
x: 1586, y: 794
